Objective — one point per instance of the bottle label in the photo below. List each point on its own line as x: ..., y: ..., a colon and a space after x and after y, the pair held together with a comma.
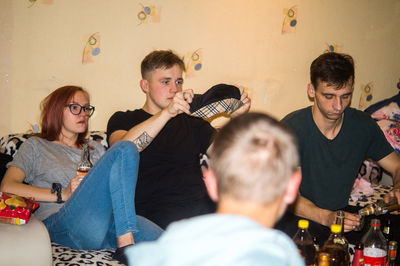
x: 392, y: 254
x: 374, y: 261
x: 374, y: 256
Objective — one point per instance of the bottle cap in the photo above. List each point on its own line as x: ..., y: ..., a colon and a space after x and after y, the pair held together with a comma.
x: 303, y: 224
x: 392, y: 243
x: 336, y: 228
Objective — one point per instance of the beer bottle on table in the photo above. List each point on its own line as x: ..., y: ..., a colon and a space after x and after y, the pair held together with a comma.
x: 387, y: 231
x: 323, y: 259
x: 392, y: 253
x: 374, y: 245
x: 358, y: 258
x: 338, y: 253
x: 84, y: 165
x: 305, y: 243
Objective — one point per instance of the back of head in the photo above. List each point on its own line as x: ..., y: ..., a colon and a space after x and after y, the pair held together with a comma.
x: 52, y: 112
x: 253, y: 157
x: 334, y: 68
x: 163, y: 59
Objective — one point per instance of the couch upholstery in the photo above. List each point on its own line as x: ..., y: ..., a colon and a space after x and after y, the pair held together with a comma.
x: 30, y: 244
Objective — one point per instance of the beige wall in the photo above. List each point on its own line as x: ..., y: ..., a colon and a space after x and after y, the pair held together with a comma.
x: 241, y: 42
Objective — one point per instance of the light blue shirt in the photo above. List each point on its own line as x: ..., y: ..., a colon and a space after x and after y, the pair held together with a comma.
x: 217, y: 239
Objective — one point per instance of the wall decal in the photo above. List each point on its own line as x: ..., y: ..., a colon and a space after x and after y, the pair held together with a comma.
x: 332, y: 48
x: 92, y: 48
x: 290, y: 21
x: 193, y: 62
x: 366, y: 95
x: 149, y: 13
x: 34, y: 2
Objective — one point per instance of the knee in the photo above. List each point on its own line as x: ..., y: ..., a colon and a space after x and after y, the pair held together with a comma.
x: 126, y: 147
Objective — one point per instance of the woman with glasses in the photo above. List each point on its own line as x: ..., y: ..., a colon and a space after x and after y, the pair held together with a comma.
x: 83, y: 212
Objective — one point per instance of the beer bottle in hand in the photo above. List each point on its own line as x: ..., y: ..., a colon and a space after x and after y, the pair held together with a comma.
x: 84, y: 165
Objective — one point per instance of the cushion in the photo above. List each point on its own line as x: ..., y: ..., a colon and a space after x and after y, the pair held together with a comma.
x: 9, y: 144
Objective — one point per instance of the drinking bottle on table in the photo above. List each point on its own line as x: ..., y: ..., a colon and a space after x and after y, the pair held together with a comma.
x: 374, y: 245
x: 305, y: 243
x: 323, y: 259
x: 358, y: 258
x: 392, y: 253
x: 84, y: 165
x: 387, y: 231
x: 334, y: 247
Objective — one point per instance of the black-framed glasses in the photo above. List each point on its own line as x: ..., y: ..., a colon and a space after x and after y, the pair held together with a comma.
x: 76, y: 109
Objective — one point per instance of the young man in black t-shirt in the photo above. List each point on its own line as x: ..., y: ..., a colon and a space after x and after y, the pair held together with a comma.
x: 170, y: 185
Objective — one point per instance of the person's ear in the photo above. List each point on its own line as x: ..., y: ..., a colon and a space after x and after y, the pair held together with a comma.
x: 310, y: 90
x: 144, y: 85
x: 211, y: 184
x: 292, y: 188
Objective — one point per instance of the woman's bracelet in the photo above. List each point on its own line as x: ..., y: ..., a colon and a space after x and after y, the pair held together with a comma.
x: 56, y: 187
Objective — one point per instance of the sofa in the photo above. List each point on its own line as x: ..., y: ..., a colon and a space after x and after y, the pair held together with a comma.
x: 30, y: 244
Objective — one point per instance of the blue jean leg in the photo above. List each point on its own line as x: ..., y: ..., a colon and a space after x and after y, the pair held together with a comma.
x: 102, y: 207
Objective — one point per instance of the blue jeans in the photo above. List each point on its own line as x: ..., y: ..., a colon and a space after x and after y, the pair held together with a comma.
x: 102, y: 207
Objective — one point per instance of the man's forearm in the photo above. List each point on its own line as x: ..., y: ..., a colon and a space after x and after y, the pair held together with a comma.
x: 144, y: 133
x: 307, y: 209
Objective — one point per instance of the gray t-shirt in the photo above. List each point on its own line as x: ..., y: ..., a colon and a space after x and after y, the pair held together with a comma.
x: 45, y: 162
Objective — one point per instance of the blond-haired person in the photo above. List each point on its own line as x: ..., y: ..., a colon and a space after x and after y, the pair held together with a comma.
x: 253, y: 175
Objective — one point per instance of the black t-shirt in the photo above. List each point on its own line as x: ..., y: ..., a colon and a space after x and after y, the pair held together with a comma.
x: 170, y: 184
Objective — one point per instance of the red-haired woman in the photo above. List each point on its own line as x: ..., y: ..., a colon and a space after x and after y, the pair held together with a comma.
x: 92, y: 212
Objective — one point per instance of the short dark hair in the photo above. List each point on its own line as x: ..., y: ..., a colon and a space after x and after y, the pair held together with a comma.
x: 160, y: 59
x: 334, y: 68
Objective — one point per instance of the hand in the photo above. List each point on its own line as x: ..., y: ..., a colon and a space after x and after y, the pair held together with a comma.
x: 180, y: 103
x: 351, y: 220
x: 246, y: 103
x: 394, y: 193
x: 73, y: 185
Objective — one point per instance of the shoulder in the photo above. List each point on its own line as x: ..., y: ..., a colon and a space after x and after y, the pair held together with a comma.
x: 300, y: 121
x: 126, y: 114
x: 358, y: 118
x: 35, y: 142
x: 297, y: 116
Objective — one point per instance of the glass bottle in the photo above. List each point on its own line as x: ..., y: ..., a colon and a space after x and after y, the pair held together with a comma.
x: 84, y: 165
x: 305, y: 243
x: 358, y: 258
x: 316, y: 245
x: 341, y: 238
x: 392, y: 253
x: 338, y: 254
x: 374, y: 245
x: 387, y: 231
x: 380, y: 207
x: 323, y: 259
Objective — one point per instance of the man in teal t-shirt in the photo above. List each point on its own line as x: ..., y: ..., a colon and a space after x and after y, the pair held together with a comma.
x: 334, y: 139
